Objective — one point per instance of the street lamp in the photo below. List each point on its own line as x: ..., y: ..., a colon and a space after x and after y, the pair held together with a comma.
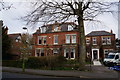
x: 23, y: 57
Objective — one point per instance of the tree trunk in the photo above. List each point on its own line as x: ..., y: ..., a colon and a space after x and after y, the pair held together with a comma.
x: 23, y: 65
x: 82, y: 43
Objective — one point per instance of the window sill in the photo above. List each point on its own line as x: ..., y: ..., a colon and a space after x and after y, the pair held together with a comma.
x: 94, y: 44
x: 41, y: 44
x: 55, y: 43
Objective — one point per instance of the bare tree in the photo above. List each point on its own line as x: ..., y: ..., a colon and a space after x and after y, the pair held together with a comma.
x: 5, y: 5
x: 79, y: 10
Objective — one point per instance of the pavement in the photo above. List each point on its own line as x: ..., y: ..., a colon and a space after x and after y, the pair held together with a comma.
x: 96, y: 63
x: 96, y: 72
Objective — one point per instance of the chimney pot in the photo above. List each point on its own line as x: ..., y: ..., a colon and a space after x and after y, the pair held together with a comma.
x: 111, y: 31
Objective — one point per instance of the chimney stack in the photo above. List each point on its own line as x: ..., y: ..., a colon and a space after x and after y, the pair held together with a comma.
x: 111, y: 31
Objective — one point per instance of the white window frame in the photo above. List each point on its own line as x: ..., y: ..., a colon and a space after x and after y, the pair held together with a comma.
x: 70, y: 27
x: 43, y: 29
x: 43, y: 38
x: 87, y: 40
x: 94, y: 39
x: 39, y: 39
x: 108, y: 40
x: 55, y: 36
x: 55, y: 28
x: 73, y: 53
x: 55, y: 51
x: 16, y: 40
x: 67, y: 40
x: 36, y: 52
x: 104, y: 39
x: 41, y: 51
x: 65, y: 51
x: 106, y: 52
x: 73, y: 40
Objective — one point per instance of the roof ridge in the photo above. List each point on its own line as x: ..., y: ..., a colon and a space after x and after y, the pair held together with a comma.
x: 97, y: 33
x: 59, y: 23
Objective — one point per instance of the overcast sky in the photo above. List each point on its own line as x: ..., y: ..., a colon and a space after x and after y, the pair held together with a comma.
x: 10, y: 18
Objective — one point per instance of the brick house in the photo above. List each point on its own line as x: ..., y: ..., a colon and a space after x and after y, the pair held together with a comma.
x: 99, y: 44
x: 56, y: 39
x: 15, y: 45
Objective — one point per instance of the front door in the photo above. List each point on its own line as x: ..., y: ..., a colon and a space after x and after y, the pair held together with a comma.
x: 95, y: 54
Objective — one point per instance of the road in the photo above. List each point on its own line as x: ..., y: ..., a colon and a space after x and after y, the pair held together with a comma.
x: 21, y: 76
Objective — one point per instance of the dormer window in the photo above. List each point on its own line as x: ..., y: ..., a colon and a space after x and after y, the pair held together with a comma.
x: 16, y: 40
x: 55, y: 28
x: 70, y: 27
x: 43, y: 29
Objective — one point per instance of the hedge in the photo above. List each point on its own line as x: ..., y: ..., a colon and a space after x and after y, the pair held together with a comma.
x: 37, y: 62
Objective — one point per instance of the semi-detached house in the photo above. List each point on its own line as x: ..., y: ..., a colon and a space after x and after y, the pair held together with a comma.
x: 99, y: 44
x: 62, y: 39
x: 57, y: 39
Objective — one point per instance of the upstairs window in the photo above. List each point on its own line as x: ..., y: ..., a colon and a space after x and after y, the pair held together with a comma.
x: 55, y: 28
x: 87, y: 40
x: 42, y: 40
x: 94, y: 41
x: 67, y: 38
x: 106, y: 40
x: 39, y: 40
x: 43, y: 29
x: 70, y: 27
x: 73, y: 38
x: 55, y: 39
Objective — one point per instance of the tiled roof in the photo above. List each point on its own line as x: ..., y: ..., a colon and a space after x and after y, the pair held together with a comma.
x: 99, y: 33
x: 63, y: 27
x: 14, y: 36
x: 57, y: 23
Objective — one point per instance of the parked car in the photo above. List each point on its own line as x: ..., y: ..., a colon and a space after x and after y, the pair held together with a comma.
x: 112, y: 59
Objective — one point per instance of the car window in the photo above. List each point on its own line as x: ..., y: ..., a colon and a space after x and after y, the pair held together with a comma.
x: 110, y: 56
x: 117, y: 57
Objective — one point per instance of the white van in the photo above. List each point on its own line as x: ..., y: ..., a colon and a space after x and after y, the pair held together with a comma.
x: 112, y: 59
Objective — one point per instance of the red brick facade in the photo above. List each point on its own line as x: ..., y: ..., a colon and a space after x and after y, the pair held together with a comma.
x: 99, y: 48
x: 48, y: 45
x: 15, y: 45
x: 61, y: 39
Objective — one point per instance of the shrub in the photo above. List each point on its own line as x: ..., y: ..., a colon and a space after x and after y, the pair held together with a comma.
x: 50, y: 62
x: 34, y: 62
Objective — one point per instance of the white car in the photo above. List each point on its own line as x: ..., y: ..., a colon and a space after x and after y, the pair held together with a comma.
x: 112, y: 59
